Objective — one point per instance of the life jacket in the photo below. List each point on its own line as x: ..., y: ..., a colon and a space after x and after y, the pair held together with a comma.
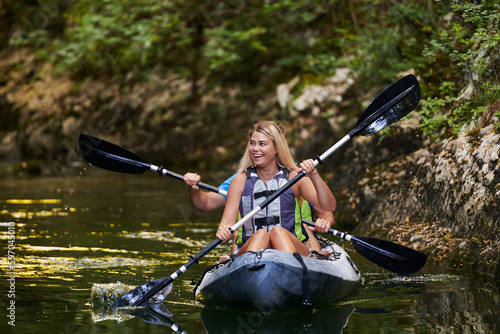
x: 284, y: 211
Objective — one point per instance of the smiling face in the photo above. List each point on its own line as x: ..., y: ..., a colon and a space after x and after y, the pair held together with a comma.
x: 262, y: 150
x: 267, y: 143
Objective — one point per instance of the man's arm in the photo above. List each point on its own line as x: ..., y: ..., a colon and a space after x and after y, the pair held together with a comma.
x: 205, y: 201
x: 324, y: 219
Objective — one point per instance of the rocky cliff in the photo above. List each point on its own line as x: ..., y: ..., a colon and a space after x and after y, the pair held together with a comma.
x: 443, y: 200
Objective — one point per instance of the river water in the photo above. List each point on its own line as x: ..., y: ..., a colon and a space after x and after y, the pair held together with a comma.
x: 98, y: 227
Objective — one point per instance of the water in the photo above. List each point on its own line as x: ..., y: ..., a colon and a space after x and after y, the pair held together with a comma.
x: 103, y: 228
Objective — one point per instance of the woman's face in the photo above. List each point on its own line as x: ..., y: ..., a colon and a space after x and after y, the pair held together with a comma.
x: 262, y: 150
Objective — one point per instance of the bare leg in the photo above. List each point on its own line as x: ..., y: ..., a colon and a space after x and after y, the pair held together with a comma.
x: 259, y: 240
x: 283, y: 240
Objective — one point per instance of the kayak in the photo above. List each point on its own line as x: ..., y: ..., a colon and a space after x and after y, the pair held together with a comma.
x: 271, y: 280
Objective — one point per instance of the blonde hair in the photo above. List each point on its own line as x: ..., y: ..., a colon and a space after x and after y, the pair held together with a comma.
x: 275, y: 132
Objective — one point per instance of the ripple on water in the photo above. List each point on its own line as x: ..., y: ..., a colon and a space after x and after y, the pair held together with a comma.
x: 372, y: 279
x: 39, y: 266
x: 164, y: 236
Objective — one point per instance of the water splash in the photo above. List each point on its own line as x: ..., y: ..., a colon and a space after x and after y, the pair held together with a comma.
x: 106, y: 294
x: 103, y: 294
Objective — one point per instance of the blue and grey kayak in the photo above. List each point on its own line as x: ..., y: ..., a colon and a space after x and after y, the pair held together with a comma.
x: 271, y: 280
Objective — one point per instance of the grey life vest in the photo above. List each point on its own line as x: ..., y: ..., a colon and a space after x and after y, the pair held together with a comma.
x: 281, y: 211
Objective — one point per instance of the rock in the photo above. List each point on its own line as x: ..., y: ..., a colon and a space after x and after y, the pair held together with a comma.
x: 454, y: 186
x: 416, y: 238
x: 283, y: 92
x: 71, y: 125
x: 315, y: 95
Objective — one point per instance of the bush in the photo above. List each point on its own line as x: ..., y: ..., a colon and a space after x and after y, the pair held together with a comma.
x: 470, y: 45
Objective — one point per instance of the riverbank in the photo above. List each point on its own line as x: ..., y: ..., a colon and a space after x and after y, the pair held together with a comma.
x: 443, y: 200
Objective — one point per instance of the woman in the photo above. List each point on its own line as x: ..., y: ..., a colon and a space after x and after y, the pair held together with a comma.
x: 265, y: 167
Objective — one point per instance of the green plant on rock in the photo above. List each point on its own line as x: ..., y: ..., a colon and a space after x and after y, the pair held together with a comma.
x: 471, y: 47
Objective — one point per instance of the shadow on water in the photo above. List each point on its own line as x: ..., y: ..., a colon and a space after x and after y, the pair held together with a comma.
x: 101, y: 228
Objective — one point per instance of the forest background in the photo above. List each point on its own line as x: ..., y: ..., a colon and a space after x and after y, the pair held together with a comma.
x: 180, y: 82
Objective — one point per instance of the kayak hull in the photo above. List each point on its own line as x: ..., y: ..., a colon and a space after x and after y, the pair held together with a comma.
x: 272, y: 280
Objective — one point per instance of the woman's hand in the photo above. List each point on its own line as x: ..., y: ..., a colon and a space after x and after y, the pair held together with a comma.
x: 308, y: 167
x: 191, y: 179
x: 323, y: 197
x: 223, y: 233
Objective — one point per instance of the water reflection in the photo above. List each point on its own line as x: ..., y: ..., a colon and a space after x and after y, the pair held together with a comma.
x: 156, y: 314
x: 462, y: 308
x: 331, y: 320
x: 324, y: 320
x: 430, y: 303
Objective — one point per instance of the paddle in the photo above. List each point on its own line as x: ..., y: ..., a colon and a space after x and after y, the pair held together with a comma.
x: 393, y: 257
x: 392, y: 104
x: 106, y: 155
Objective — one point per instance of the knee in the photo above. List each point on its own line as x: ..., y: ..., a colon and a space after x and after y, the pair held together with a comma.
x: 261, y: 234
x: 277, y: 232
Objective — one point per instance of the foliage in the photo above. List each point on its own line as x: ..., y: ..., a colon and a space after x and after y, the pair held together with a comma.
x: 384, y: 39
x: 470, y: 44
x: 255, y: 45
x: 116, y: 37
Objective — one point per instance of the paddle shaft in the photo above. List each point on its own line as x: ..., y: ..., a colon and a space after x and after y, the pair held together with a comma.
x: 336, y: 233
x: 163, y: 171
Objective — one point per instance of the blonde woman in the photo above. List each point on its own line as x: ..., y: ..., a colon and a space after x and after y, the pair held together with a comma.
x: 265, y: 167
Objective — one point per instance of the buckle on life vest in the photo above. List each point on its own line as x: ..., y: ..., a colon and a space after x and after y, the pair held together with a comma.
x: 264, y: 193
x: 266, y: 221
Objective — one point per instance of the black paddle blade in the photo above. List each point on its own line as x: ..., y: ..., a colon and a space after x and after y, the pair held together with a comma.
x: 131, y: 297
x: 395, y: 102
x: 105, y: 155
x: 393, y: 257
